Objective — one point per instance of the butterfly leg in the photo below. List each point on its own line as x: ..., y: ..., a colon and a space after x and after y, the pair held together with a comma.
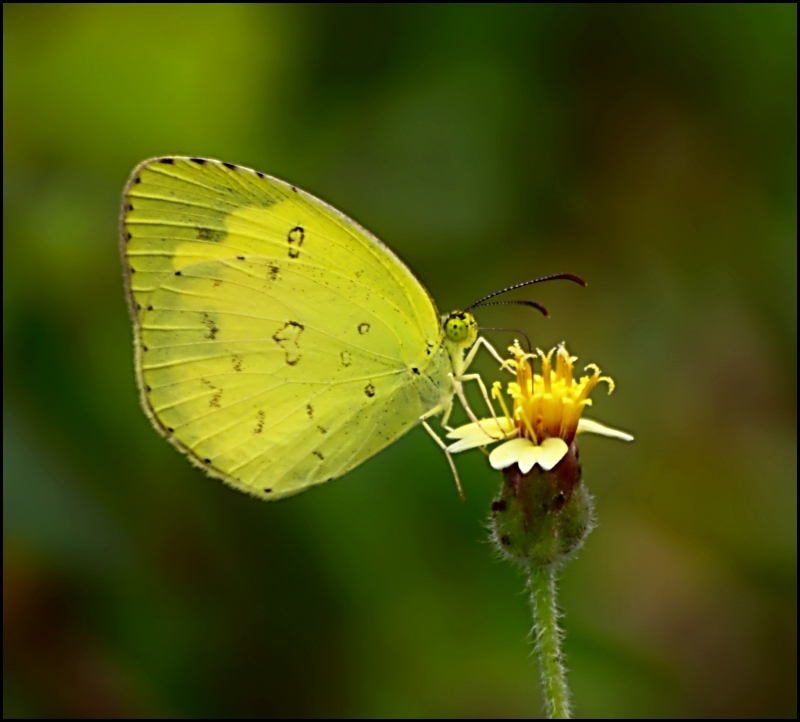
x: 477, y: 377
x: 470, y: 357
x: 443, y: 447
x: 446, y: 415
x: 460, y: 392
x: 458, y: 389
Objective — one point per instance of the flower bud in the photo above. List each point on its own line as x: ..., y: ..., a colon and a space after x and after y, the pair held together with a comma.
x: 542, y: 517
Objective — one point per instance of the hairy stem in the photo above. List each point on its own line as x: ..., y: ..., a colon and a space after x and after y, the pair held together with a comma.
x: 547, y: 640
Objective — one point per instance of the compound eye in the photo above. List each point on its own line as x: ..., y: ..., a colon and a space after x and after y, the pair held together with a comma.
x: 456, y: 329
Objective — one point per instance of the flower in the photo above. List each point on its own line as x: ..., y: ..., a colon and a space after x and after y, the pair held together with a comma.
x: 545, y: 417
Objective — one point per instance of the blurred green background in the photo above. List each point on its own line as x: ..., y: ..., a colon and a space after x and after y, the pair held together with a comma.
x: 650, y: 149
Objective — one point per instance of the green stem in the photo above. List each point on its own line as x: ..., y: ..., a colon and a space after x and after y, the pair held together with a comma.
x: 547, y: 639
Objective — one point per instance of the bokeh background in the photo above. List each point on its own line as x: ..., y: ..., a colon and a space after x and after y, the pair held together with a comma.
x: 651, y: 149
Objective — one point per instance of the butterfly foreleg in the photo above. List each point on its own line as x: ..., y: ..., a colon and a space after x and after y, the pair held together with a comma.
x: 460, y: 377
x: 441, y: 443
x: 470, y: 357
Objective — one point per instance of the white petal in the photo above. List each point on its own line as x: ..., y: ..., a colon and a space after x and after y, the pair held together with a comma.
x: 495, y: 428
x: 469, y: 443
x: 508, y: 453
x: 551, y: 451
x: 471, y: 436
x: 528, y: 457
x: 587, y: 426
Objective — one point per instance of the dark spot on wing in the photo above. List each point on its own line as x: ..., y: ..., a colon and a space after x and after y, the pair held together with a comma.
x: 240, y: 258
x: 267, y: 491
x: 167, y: 161
x: 144, y: 348
x: 138, y: 307
x: 236, y: 359
x: 149, y: 308
x: 178, y: 273
x: 310, y: 411
x: 128, y: 236
x: 199, y: 161
x: 214, y: 402
x: 287, y: 337
x: 207, y: 461
x: 363, y: 328
x: 229, y: 166
x: 148, y: 389
x: 358, y: 274
x: 170, y: 429
x: 319, y: 455
x: 369, y: 390
x: 415, y: 370
x: 216, y: 282
x: 346, y: 358
x: 130, y: 206
x: 293, y: 188
x: 137, y: 179
x: 210, y: 234
x: 295, y: 237
x: 259, y: 174
x: 259, y: 422
x: 207, y: 384
x: 209, y: 323
x: 498, y: 506
x: 322, y: 430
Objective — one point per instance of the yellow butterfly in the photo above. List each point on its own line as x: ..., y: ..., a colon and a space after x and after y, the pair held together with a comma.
x: 278, y: 344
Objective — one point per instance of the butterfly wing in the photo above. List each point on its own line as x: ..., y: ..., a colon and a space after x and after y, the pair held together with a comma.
x: 279, y: 344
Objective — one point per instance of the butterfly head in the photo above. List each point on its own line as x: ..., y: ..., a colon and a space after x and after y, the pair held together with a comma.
x: 460, y: 328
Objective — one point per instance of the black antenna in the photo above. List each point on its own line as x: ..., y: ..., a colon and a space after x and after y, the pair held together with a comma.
x: 532, y: 304
x: 509, y: 330
x: 565, y: 276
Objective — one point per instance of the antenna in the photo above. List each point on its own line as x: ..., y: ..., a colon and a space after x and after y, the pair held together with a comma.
x: 532, y: 304
x: 563, y: 276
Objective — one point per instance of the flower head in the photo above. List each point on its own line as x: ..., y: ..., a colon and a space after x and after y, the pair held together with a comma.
x: 545, y: 415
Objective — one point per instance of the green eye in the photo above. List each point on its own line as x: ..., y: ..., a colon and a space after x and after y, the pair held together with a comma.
x: 456, y: 329
x: 460, y: 327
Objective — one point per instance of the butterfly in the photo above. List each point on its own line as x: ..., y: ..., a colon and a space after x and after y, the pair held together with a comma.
x: 279, y: 344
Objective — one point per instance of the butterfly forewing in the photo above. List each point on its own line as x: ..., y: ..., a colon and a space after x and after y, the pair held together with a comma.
x: 278, y: 343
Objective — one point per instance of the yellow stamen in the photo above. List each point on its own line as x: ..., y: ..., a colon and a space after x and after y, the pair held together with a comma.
x: 608, y: 381
x: 566, y: 362
x: 550, y: 405
x: 524, y: 377
x: 527, y: 423
x: 496, y: 394
x: 588, y: 382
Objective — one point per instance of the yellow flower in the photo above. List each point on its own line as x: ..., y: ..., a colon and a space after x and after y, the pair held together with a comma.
x: 545, y: 416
